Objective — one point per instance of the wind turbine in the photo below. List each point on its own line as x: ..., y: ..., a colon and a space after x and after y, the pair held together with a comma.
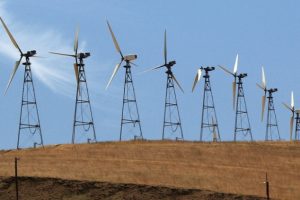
x: 293, y: 111
x: 29, y: 123
x: 271, y: 115
x: 209, y: 117
x: 83, y: 122
x: 130, y: 118
x: 239, y: 102
x: 171, y: 110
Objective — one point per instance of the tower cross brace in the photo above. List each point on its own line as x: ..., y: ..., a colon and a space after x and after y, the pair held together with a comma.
x: 130, y: 117
x: 29, y: 122
x: 83, y: 122
x: 241, y: 112
x: 297, y: 129
x: 171, y: 109
x: 208, y: 107
x: 271, y: 117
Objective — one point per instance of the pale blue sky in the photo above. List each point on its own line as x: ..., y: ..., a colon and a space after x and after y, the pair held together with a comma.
x: 199, y: 33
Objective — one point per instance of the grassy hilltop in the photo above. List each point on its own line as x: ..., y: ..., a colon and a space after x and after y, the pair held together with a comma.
x: 226, y: 167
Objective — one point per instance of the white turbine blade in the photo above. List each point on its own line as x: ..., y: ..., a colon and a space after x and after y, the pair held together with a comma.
x: 148, y: 70
x: 260, y: 86
x: 114, y: 39
x: 197, y: 79
x: 113, y: 74
x: 288, y: 107
x: 233, y: 94
x: 10, y: 36
x: 226, y: 70
x: 292, y: 100
x: 76, y: 72
x: 263, y: 77
x: 177, y: 82
x: 62, y: 54
x: 235, y: 68
x: 76, y: 41
x: 165, y: 47
x: 13, y: 74
x: 263, y: 104
x: 291, y: 127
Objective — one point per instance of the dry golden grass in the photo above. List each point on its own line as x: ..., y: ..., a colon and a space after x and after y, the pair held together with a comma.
x: 225, y: 167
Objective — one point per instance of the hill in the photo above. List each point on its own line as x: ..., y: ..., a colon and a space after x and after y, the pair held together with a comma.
x: 237, y: 168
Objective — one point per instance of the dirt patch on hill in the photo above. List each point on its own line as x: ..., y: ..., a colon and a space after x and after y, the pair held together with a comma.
x: 58, y: 189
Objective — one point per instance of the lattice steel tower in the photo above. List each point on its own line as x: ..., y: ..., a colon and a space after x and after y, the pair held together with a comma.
x: 130, y: 113
x: 172, y: 121
x: 209, y: 119
x: 29, y: 124
x: 130, y: 118
x: 272, y: 124
x: 83, y: 123
x: 297, y: 130
x: 242, y: 122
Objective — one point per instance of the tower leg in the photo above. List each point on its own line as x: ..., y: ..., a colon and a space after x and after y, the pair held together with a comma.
x: 242, y: 123
x: 209, y: 119
x: 272, y: 124
x: 130, y: 119
x: 83, y: 124
x: 29, y: 133
x: 297, y: 130
x: 172, y: 122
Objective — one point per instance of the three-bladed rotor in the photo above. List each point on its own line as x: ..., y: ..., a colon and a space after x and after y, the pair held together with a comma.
x: 199, y: 74
x: 263, y: 86
x: 235, y: 75
x: 292, y: 109
x: 27, y: 55
x: 167, y: 64
x: 127, y: 58
x: 76, y: 55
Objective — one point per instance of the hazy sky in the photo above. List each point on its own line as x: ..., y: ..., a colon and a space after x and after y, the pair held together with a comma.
x: 199, y: 33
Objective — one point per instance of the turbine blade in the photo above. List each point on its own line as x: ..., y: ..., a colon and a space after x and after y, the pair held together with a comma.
x: 233, y: 94
x: 76, y: 72
x: 263, y: 104
x: 288, y: 107
x: 292, y: 100
x: 261, y: 87
x: 114, y: 74
x: 114, y: 39
x: 235, y: 68
x: 76, y: 41
x: 165, y: 47
x: 197, y: 79
x: 226, y: 70
x: 177, y: 82
x: 10, y: 36
x: 62, y: 54
x: 291, y: 127
x: 147, y: 70
x: 263, y: 78
x: 13, y: 73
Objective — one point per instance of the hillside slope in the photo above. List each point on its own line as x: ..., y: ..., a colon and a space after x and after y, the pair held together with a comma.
x: 224, y: 167
x: 58, y: 189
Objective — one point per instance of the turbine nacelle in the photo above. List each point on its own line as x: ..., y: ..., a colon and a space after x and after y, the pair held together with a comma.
x: 171, y: 63
x: 83, y: 55
x: 208, y: 69
x: 243, y: 75
x: 130, y: 57
x: 272, y: 90
x: 29, y: 53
